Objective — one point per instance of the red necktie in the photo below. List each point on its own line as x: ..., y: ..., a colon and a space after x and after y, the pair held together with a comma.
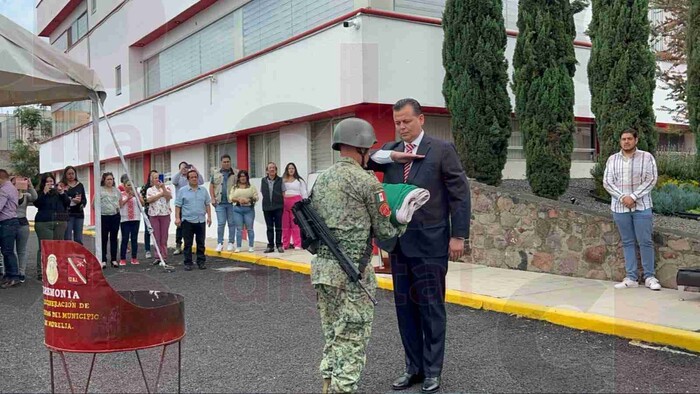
x: 407, y: 166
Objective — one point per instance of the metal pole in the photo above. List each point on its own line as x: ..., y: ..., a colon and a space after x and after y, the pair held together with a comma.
x: 97, y: 175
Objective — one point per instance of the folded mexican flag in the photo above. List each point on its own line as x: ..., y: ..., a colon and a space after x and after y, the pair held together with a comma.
x: 404, y: 199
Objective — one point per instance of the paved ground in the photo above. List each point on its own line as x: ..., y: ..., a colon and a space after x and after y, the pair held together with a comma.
x: 256, y: 329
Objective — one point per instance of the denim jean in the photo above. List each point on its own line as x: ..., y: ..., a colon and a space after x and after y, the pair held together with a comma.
x: 74, y: 231
x: 130, y: 232
x: 21, y: 245
x: 241, y: 216
x: 636, y: 229
x: 224, y: 215
x: 8, y: 233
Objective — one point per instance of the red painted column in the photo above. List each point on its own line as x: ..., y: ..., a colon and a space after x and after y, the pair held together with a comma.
x: 242, y: 152
x: 381, y: 117
x: 242, y: 163
x: 92, y: 192
x: 146, y: 160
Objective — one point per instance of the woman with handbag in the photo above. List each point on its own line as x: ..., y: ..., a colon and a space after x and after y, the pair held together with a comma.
x: 243, y: 196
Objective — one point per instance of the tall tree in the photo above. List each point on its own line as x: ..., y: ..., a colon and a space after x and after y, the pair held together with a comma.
x: 669, y: 27
x: 25, y: 160
x: 476, y: 85
x: 693, y: 90
x: 621, y: 77
x: 545, y: 63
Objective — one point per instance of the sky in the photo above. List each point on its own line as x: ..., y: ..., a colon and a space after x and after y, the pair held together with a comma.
x: 20, y: 12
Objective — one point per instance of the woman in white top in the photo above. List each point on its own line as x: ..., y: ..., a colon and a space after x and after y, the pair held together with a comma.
x: 158, y: 197
x: 109, y: 206
x: 130, y: 220
x: 294, y: 191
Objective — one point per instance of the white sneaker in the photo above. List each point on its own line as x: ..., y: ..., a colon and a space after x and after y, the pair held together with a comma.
x: 219, y: 247
x: 652, y: 283
x: 104, y: 264
x: 230, y: 248
x: 626, y: 283
x: 148, y: 254
x: 237, y: 251
x: 251, y: 250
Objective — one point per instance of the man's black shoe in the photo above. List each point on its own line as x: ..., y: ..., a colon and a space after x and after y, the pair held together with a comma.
x: 202, y: 266
x: 406, y: 380
x: 280, y: 249
x: 269, y: 249
x: 430, y: 385
x: 188, y: 268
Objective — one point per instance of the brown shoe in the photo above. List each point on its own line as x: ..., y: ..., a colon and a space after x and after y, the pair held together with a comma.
x: 10, y: 283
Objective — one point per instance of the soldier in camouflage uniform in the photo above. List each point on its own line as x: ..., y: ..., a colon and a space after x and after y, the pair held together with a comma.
x: 352, y: 203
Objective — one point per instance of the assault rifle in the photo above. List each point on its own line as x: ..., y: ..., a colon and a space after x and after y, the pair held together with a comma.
x: 314, y: 231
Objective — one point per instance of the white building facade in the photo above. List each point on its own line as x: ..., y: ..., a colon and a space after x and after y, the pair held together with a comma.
x: 264, y: 80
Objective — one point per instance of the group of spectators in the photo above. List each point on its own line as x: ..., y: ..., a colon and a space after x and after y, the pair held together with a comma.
x: 61, y: 213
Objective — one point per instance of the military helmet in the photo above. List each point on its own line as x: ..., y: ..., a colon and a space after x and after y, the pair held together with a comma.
x: 353, y: 132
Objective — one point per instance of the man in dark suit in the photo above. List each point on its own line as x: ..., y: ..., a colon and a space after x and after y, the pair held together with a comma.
x: 438, y: 231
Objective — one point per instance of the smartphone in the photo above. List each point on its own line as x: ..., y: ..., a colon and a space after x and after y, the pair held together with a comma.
x: 161, y: 178
x: 22, y: 183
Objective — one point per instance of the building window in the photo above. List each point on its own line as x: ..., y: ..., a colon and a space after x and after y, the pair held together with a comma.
x: 322, y: 155
x: 584, y: 142
x: 657, y: 18
x: 516, y: 142
x: 161, y: 163
x: 262, y: 149
x: 439, y: 127
x: 215, y: 151
x: 61, y: 43
x: 136, y: 171
x: 71, y: 116
x: 78, y: 29
x: 203, y: 51
x: 118, y: 80
x: 268, y: 22
x: 93, y: 4
x: 430, y: 8
x: 671, y: 142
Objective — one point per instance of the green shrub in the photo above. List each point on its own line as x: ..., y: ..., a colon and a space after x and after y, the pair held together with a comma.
x: 671, y: 199
x: 681, y: 166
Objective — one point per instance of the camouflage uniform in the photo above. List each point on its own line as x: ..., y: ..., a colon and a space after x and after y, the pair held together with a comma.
x: 350, y: 200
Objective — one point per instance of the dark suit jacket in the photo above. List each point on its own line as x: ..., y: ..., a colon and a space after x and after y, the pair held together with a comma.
x: 448, y: 212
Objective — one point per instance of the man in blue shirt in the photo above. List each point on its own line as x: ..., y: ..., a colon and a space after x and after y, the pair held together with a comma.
x: 179, y: 181
x: 192, y: 209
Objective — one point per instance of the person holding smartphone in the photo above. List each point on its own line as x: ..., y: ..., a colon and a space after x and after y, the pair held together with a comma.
x: 158, y: 198
x: 51, y: 218
x: 27, y: 195
x: 76, y: 210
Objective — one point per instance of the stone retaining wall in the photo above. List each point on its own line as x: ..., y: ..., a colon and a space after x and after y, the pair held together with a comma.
x: 526, y: 232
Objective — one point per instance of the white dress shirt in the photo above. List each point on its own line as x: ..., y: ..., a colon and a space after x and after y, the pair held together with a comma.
x: 384, y: 156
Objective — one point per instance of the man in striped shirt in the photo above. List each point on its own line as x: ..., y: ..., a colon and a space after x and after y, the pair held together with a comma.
x: 629, y: 177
